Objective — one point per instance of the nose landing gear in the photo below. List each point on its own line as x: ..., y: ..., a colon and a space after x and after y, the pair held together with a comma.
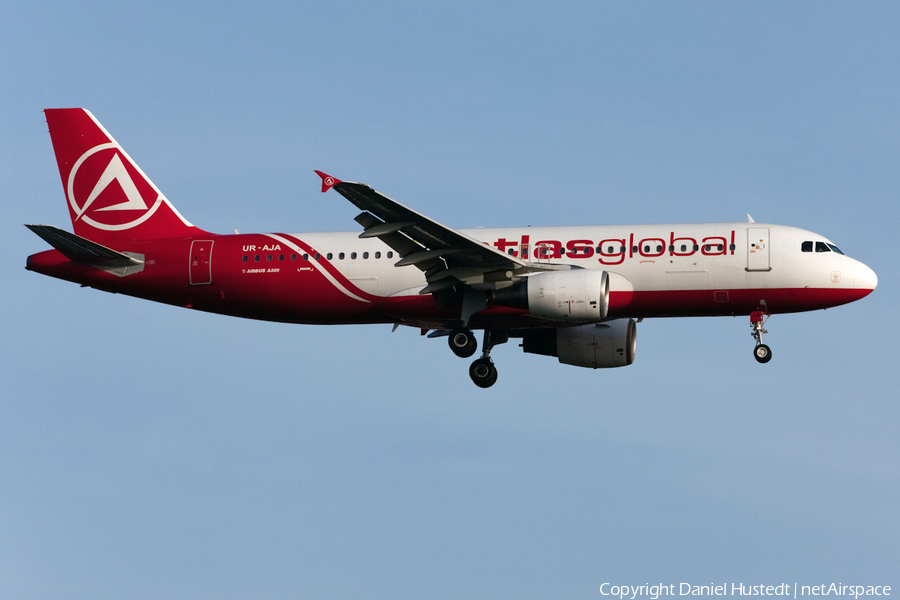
x: 483, y: 372
x: 761, y: 353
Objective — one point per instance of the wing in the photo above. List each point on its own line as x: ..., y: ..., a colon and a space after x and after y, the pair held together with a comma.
x: 445, y: 256
x: 456, y: 266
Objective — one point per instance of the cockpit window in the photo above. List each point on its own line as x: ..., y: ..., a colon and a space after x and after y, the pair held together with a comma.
x: 822, y: 247
x: 806, y: 247
x: 835, y: 248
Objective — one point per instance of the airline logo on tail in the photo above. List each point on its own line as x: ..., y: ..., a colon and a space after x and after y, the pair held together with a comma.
x: 103, y: 190
x: 110, y: 198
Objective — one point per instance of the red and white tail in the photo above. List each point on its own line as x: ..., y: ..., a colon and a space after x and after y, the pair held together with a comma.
x: 110, y: 199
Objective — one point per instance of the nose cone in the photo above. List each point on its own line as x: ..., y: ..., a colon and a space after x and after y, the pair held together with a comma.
x: 865, y: 278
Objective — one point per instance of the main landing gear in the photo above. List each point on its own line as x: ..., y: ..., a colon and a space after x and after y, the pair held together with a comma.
x: 761, y: 353
x: 462, y: 342
x: 483, y: 372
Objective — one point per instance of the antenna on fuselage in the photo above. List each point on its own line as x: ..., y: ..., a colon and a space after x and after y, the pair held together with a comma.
x: 750, y: 219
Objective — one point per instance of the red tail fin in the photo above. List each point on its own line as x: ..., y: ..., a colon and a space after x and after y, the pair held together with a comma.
x: 110, y: 199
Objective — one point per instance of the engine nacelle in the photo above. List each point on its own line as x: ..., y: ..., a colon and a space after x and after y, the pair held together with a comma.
x: 600, y: 346
x: 572, y: 296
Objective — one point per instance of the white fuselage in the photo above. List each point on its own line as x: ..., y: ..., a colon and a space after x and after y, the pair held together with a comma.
x: 715, y: 256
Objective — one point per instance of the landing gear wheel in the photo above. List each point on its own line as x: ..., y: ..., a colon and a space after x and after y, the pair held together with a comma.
x: 762, y: 353
x: 758, y: 318
x: 483, y: 373
x: 463, y: 343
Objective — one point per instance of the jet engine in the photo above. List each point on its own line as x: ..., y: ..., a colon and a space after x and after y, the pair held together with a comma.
x: 576, y: 295
x: 599, y: 346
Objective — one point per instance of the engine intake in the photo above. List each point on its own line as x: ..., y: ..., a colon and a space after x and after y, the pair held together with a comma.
x: 600, y: 346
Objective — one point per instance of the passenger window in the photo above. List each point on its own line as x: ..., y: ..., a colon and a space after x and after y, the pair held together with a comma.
x: 245, y: 259
x: 510, y: 251
x: 634, y: 249
x: 731, y: 247
x: 806, y: 247
x: 646, y: 249
x: 329, y: 255
x: 822, y: 247
x: 378, y: 255
x: 269, y: 258
x: 365, y: 255
x: 609, y: 250
x: 684, y: 247
x: 318, y: 256
x: 293, y: 257
x: 720, y: 247
x: 341, y: 256
x: 353, y: 255
x: 306, y: 257
x: 281, y: 257
x: 256, y: 258
x: 390, y: 255
x: 696, y: 247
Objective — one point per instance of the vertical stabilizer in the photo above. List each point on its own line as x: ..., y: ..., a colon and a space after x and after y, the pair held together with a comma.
x: 109, y: 197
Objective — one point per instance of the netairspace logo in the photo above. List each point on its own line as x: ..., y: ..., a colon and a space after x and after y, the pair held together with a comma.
x: 654, y: 592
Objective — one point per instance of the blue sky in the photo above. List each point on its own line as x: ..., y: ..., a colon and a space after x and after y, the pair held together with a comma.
x: 148, y: 451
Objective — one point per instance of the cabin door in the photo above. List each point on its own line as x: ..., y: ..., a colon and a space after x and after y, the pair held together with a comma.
x: 201, y: 262
x: 758, y: 249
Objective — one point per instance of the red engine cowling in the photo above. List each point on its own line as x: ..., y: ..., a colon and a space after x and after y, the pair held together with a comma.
x: 600, y: 346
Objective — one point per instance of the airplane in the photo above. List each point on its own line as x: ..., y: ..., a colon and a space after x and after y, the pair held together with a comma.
x: 574, y: 293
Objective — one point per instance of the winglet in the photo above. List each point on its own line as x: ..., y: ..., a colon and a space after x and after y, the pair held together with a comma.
x: 328, y: 181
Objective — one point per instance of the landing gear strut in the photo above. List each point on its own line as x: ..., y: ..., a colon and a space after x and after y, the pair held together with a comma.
x: 463, y: 342
x: 483, y: 372
x: 761, y: 353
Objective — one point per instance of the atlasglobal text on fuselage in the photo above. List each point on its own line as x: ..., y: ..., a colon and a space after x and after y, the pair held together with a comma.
x: 574, y: 293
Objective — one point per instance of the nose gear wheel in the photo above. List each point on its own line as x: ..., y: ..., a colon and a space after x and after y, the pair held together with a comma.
x: 762, y: 353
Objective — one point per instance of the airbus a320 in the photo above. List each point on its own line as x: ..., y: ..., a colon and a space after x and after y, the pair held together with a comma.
x: 574, y: 293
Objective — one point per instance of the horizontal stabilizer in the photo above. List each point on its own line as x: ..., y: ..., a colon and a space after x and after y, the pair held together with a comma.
x: 81, y: 250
